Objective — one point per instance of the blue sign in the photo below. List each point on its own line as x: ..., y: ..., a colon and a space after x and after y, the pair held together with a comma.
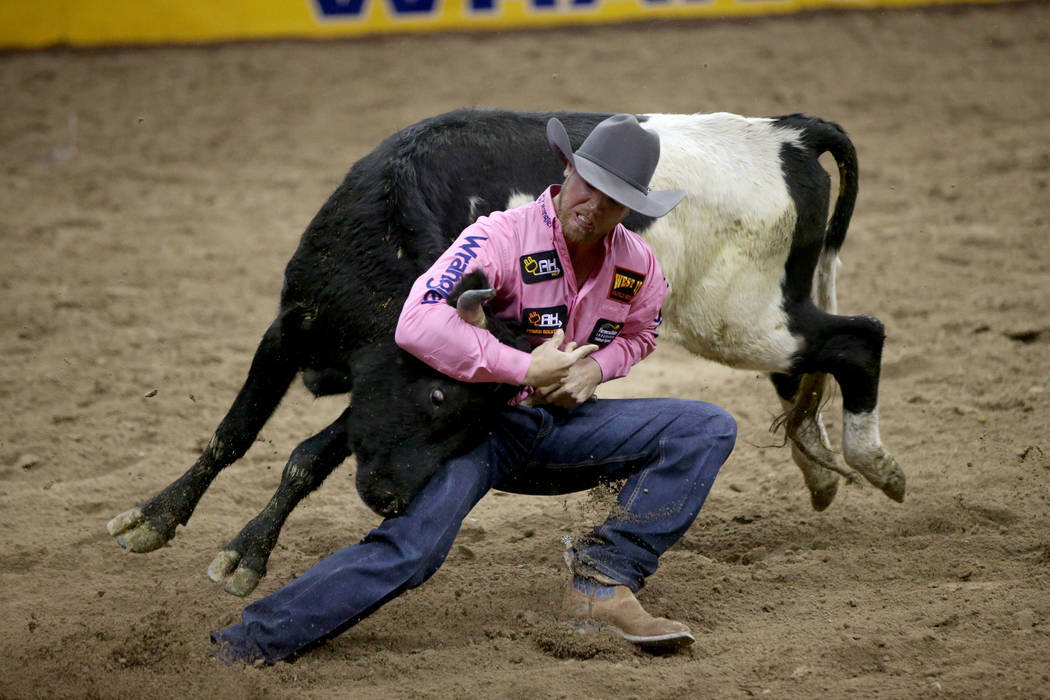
x: 348, y: 9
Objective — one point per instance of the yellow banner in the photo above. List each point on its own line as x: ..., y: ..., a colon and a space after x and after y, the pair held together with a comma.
x: 36, y: 23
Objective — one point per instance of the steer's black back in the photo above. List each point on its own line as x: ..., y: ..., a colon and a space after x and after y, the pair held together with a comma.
x: 400, y: 207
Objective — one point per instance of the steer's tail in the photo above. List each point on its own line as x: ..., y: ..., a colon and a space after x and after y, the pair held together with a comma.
x: 823, y: 136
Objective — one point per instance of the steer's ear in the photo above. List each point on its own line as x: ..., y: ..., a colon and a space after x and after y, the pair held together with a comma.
x: 469, y: 306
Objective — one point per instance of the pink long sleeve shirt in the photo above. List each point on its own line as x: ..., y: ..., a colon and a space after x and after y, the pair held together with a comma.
x: 524, y: 255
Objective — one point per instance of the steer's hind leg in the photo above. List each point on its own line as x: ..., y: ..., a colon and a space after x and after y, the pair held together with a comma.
x: 857, y: 355
x: 803, y: 427
x: 863, y: 450
x: 850, y: 348
x: 242, y: 563
x: 151, y: 524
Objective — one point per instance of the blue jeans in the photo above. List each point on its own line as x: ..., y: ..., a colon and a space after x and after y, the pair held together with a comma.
x: 669, y: 451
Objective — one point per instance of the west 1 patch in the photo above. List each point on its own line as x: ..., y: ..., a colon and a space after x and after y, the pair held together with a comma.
x: 626, y: 283
x: 605, y: 331
x: 542, y: 323
x: 540, y: 267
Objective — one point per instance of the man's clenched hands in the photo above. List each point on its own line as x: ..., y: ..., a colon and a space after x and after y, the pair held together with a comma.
x: 584, y: 377
x: 549, y: 365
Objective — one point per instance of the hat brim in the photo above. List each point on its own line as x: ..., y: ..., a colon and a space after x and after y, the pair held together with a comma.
x: 558, y: 139
x: 654, y: 203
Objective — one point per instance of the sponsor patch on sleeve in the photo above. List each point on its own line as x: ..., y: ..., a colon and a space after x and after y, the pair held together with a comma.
x: 626, y: 283
x: 605, y: 331
x: 540, y: 267
x: 541, y: 323
x: 438, y: 288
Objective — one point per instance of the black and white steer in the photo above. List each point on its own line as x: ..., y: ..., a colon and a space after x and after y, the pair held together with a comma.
x: 750, y: 255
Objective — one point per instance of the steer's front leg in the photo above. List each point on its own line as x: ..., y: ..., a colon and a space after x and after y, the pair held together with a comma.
x: 242, y: 562
x: 149, y: 525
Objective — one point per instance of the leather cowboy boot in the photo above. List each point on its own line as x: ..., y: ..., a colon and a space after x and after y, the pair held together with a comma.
x: 624, y: 615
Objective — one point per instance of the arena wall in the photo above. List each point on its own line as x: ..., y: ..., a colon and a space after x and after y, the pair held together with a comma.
x: 35, y: 24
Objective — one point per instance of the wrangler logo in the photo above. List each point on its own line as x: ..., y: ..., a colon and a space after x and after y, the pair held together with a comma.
x: 439, y: 288
x: 626, y: 283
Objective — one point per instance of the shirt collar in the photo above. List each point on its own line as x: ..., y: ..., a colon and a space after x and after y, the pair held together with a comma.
x: 550, y: 216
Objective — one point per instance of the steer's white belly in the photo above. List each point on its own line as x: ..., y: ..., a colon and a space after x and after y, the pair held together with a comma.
x: 723, y: 249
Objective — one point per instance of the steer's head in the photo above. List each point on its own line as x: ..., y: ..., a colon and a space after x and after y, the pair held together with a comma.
x: 407, y: 419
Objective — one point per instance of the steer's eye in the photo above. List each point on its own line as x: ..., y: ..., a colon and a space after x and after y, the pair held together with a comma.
x: 437, y: 397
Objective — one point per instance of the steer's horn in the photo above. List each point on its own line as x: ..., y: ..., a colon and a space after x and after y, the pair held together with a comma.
x: 469, y: 306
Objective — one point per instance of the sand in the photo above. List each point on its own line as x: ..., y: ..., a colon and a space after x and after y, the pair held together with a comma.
x: 151, y: 197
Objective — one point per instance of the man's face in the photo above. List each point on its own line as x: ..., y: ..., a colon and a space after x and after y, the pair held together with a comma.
x: 586, y: 215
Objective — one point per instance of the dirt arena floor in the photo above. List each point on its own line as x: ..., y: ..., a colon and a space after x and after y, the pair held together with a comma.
x: 150, y: 200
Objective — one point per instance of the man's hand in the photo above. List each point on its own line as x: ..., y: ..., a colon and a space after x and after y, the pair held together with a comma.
x: 551, y: 366
x: 578, y: 386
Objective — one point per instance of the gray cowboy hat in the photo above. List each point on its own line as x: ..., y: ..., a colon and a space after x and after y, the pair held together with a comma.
x: 618, y: 159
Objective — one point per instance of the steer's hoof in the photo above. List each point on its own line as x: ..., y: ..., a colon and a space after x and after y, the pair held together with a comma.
x: 240, y: 580
x: 881, y: 470
x: 133, y: 532
x: 823, y: 483
x: 125, y: 521
x: 894, y: 486
x: 890, y: 477
x: 821, y: 498
x: 223, y: 565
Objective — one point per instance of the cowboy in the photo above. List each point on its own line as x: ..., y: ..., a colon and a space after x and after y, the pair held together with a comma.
x: 588, y: 293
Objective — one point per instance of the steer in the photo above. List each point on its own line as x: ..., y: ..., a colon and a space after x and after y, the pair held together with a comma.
x: 410, y: 418
x: 750, y: 255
